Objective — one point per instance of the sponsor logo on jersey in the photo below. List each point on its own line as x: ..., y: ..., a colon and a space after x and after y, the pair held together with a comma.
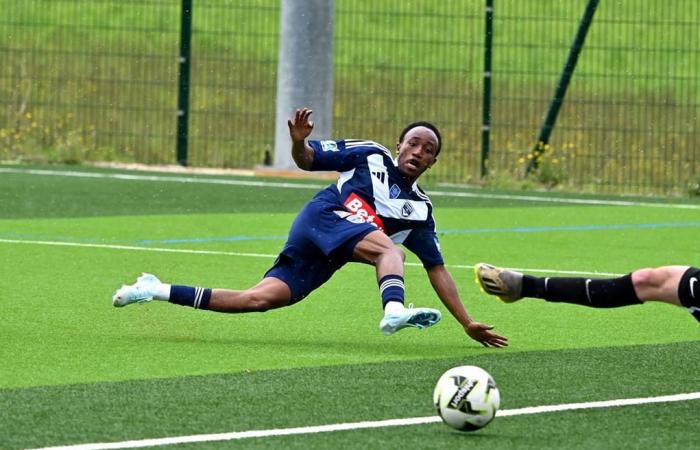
x: 329, y: 146
x: 395, y: 191
x: 407, y: 209
x: 360, y: 208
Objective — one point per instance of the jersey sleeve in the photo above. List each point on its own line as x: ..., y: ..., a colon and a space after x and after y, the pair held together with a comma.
x: 335, y: 155
x: 423, y: 242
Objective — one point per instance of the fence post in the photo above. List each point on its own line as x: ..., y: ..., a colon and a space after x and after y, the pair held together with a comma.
x: 486, y: 111
x: 183, y: 100
x: 562, y: 85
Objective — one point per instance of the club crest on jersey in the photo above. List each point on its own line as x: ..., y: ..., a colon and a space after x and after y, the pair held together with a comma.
x: 395, y: 191
x: 329, y: 146
x: 407, y: 209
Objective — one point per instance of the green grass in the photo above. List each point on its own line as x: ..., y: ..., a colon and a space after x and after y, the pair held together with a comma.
x: 77, y: 370
x: 351, y: 393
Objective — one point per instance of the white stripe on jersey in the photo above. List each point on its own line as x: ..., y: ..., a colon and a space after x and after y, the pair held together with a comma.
x: 352, y: 143
x: 344, y: 178
x: 392, y: 207
x: 420, y: 194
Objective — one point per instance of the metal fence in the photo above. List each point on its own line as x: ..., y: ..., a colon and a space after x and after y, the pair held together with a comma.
x: 97, y: 80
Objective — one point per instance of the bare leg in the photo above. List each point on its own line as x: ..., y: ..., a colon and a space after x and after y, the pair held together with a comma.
x: 660, y: 284
x: 377, y: 249
x: 270, y: 293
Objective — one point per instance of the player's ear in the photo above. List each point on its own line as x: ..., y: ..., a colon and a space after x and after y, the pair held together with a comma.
x: 398, y: 147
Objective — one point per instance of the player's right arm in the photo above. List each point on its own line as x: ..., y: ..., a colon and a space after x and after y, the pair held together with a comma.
x: 300, y: 128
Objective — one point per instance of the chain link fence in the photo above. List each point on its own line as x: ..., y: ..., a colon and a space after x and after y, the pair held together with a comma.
x: 87, y: 80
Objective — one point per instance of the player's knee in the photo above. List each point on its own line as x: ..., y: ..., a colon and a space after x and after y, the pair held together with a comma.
x: 398, y: 252
x: 392, y: 253
x: 645, y: 279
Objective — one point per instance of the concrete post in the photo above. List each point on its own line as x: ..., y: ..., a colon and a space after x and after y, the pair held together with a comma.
x: 305, y: 71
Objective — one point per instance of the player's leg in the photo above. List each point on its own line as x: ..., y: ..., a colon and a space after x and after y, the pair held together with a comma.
x: 677, y: 285
x: 270, y: 293
x: 659, y: 284
x: 376, y: 248
x: 670, y: 284
x: 510, y: 285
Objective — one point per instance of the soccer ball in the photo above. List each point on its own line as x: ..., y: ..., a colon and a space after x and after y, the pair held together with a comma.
x: 466, y: 398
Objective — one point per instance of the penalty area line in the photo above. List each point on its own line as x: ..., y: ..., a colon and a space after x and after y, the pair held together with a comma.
x: 253, y: 255
x: 367, y: 425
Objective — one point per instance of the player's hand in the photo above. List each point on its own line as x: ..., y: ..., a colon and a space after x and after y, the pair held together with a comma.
x: 482, y: 333
x: 300, y: 126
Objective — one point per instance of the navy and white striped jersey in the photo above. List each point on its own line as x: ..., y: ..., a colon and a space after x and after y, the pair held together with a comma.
x: 371, y: 188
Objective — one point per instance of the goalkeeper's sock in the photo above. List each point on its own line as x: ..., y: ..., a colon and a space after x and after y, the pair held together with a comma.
x: 596, y: 293
x: 689, y: 291
x: 194, y: 297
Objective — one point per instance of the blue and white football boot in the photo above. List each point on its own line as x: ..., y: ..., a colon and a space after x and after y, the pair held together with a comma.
x: 142, y: 291
x: 410, y: 317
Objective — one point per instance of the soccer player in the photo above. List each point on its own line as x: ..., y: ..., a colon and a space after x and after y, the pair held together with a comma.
x: 676, y: 285
x: 375, y: 205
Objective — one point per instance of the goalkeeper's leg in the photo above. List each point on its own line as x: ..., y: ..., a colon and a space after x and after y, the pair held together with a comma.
x: 676, y: 285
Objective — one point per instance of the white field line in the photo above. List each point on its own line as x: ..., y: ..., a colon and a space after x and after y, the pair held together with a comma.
x: 172, y: 179
x: 223, y: 181
x: 366, y: 425
x: 257, y: 255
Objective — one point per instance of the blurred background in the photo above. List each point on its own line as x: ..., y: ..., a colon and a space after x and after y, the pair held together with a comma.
x: 97, y: 80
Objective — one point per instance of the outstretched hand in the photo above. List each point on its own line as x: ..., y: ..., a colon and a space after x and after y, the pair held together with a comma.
x: 300, y: 126
x: 482, y: 333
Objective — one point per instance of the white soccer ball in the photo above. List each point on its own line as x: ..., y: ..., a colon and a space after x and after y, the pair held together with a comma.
x: 466, y: 398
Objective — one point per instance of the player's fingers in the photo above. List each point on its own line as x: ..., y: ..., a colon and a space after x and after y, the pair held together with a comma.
x: 498, y: 343
x: 499, y: 337
x: 494, y: 344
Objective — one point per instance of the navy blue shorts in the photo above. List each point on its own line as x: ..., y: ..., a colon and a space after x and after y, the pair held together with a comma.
x: 320, y: 242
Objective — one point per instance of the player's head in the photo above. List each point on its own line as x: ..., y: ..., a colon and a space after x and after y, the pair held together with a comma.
x: 418, y: 148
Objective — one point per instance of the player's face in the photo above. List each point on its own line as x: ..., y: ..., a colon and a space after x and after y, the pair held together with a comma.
x: 417, y: 152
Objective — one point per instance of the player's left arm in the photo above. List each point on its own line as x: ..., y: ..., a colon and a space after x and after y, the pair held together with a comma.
x: 446, y: 289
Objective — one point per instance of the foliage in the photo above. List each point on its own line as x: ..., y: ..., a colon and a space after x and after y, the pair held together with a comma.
x: 53, y: 139
x: 114, y: 67
x: 694, y: 187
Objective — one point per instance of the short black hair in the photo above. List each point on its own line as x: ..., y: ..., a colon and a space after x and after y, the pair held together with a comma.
x: 427, y: 125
